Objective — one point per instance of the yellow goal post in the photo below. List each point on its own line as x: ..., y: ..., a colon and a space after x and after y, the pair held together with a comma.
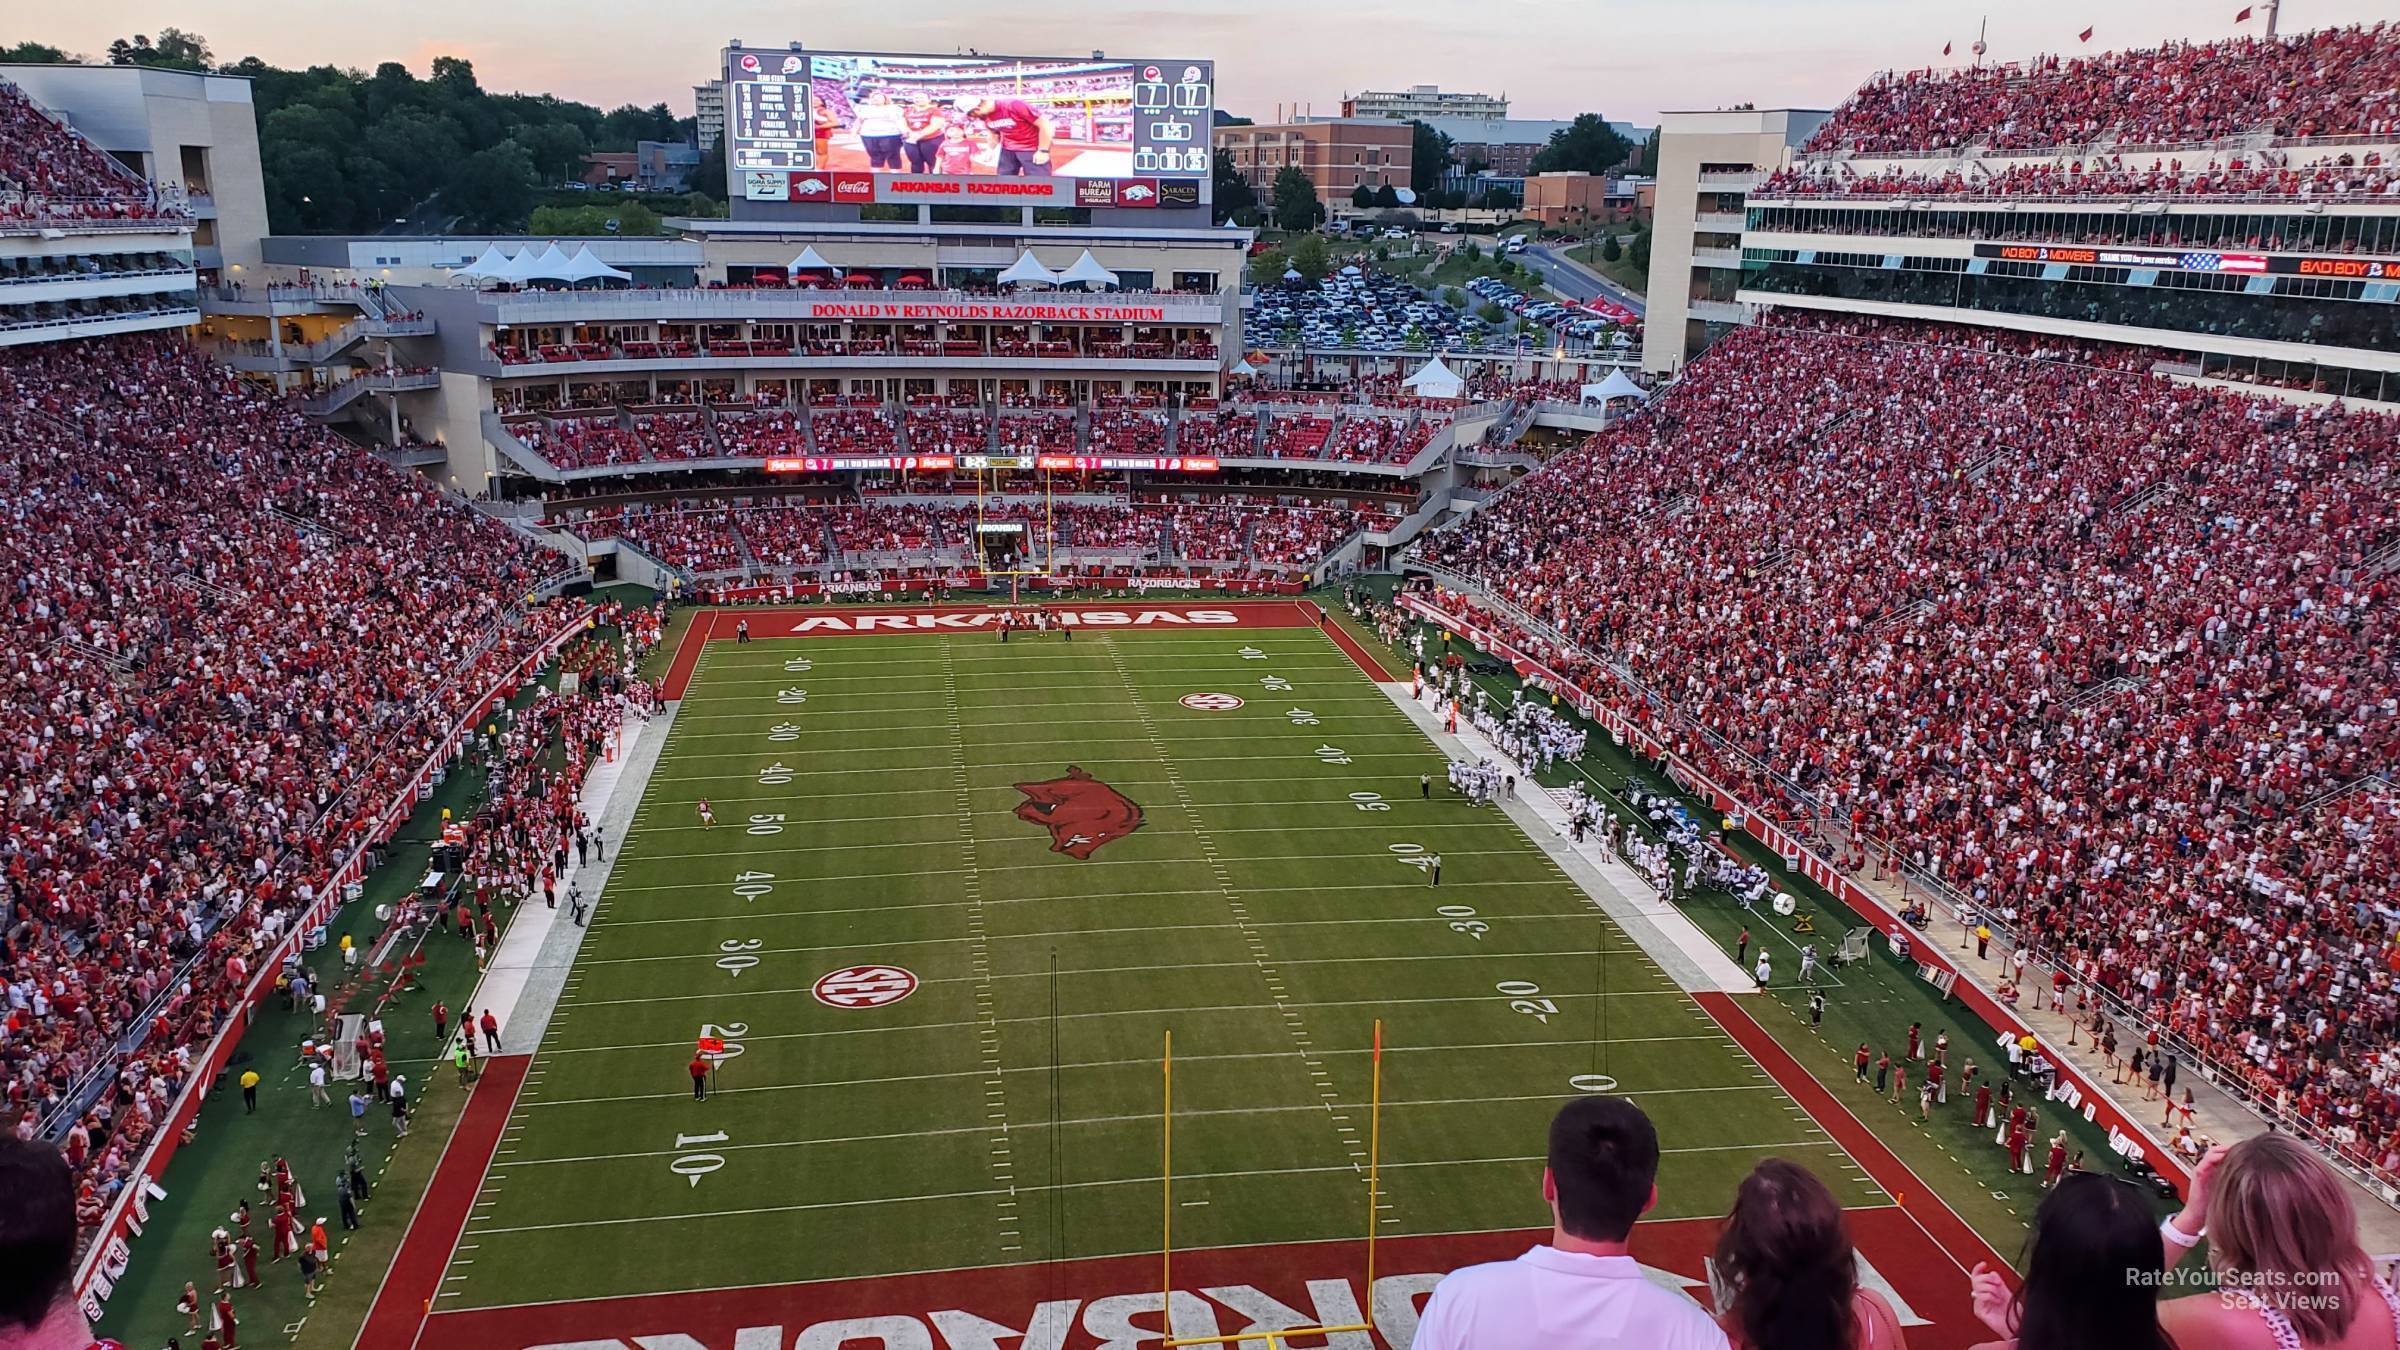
x: 1275, y: 1339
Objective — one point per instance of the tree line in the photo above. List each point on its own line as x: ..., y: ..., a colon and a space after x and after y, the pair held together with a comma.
x: 352, y: 151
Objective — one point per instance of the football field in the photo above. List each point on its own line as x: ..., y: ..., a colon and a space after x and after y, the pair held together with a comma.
x: 957, y: 895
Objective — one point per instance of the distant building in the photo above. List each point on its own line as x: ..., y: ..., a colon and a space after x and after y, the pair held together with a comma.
x: 609, y: 166
x: 664, y: 166
x: 1424, y: 102
x: 1707, y: 164
x: 1337, y: 154
x: 708, y: 113
x: 1506, y: 146
x: 1588, y: 199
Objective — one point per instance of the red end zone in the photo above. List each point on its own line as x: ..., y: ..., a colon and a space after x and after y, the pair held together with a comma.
x: 718, y: 625
x: 1114, y: 1302
x: 1916, y: 1253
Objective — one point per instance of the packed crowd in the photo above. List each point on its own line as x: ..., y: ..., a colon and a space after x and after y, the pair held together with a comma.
x: 948, y: 431
x: 581, y: 442
x: 1300, y: 535
x: 851, y: 431
x: 1211, y: 532
x: 2088, y: 646
x: 2330, y: 82
x: 1041, y: 433
x: 1380, y: 440
x: 48, y: 174
x: 1224, y: 432
x: 1297, y: 435
x: 232, y: 641
x: 1123, y: 431
x: 761, y: 433
x: 716, y: 537
x: 675, y: 435
x: 2238, y: 175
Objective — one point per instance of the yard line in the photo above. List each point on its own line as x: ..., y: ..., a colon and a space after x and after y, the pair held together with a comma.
x: 1026, y: 1187
x: 1359, y: 1105
x: 1081, y: 1122
x: 1247, y: 964
x: 1412, y: 887
x: 1028, y: 837
x: 754, y: 1038
x: 720, y: 996
x: 1048, y: 866
x: 1110, y: 931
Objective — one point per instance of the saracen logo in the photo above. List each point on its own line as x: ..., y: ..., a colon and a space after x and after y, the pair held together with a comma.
x: 810, y: 185
x: 1081, y: 812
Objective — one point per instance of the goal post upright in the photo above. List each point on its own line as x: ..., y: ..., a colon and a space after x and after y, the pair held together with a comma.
x: 1276, y: 1338
x: 1028, y: 562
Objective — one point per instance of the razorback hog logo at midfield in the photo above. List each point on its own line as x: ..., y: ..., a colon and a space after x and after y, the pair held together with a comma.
x: 1080, y: 811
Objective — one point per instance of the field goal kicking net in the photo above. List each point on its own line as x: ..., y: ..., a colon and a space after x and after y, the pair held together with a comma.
x: 1275, y: 1339
x: 346, y: 1056
x: 1013, y: 528
x: 1854, y: 946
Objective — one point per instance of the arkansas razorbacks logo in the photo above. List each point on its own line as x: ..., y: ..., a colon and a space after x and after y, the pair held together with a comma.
x: 1080, y: 811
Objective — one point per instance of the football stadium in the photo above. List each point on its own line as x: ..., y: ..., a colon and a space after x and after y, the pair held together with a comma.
x: 965, y: 702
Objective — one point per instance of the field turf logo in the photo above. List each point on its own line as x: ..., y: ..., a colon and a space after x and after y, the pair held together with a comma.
x: 1081, y: 812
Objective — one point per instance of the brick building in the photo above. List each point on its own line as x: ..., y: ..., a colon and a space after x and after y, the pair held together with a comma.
x: 1337, y: 153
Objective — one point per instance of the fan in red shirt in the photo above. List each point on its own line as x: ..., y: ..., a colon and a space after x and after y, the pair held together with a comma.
x: 1025, y: 133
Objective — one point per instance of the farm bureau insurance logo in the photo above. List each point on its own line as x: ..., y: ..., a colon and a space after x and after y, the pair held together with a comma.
x: 864, y: 986
x: 1081, y: 812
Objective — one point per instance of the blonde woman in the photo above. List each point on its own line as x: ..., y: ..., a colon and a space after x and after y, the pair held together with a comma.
x: 2283, y: 1245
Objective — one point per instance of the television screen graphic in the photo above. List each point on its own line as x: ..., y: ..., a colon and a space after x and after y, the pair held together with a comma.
x: 844, y: 127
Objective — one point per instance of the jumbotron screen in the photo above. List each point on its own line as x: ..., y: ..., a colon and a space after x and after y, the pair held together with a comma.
x: 851, y: 128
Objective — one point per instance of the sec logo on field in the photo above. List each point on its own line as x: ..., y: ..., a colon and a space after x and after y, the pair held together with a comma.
x: 1210, y: 702
x: 864, y: 987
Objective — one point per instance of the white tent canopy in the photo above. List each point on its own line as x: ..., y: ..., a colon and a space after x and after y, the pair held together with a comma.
x: 1435, y: 380
x: 1292, y: 274
x: 553, y: 265
x: 517, y: 269
x: 810, y: 261
x: 1087, y: 268
x: 586, y: 266
x: 1616, y: 386
x: 1027, y: 270
x: 488, y: 264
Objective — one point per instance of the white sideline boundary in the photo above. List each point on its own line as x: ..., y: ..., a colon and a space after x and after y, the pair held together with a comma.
x: 522, y: 980
x: 1688, y: 956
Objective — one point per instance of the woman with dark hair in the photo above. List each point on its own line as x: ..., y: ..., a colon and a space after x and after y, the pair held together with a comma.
x: 1786, y: 1273
x: 2092, y: 1266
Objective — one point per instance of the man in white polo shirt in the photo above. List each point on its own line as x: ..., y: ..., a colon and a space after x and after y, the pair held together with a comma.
x: 1580, y: 1291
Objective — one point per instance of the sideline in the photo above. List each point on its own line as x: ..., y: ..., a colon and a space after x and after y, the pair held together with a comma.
x: 411, y: 1284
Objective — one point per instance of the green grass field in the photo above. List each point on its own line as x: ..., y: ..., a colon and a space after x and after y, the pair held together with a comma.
x: 1267, y: 911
